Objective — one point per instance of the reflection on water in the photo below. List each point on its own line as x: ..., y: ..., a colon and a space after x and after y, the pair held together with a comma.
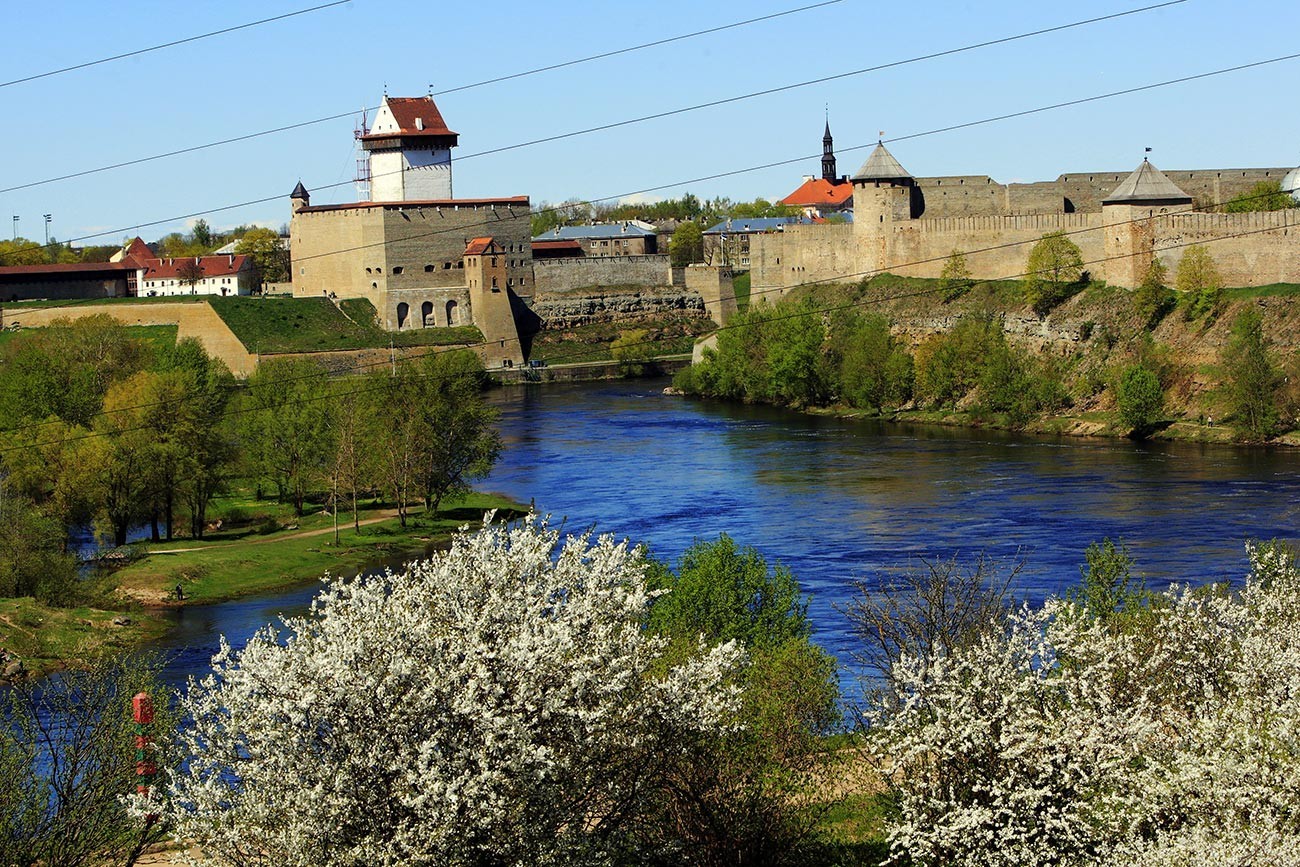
x: 839, y: 500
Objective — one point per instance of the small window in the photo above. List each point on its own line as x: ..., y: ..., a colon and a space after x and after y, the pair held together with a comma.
x: 369, y: 271
x: 428, y: 268
x: 398, y: 269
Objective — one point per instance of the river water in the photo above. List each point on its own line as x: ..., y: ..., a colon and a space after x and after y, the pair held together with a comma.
x: 839, y: 500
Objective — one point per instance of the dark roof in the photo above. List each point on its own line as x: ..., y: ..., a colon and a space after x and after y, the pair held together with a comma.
x: 65, y: 268
x: 598, y: 230
x: 299, y: 192
x: 753, y: 225
x: 1147, y: 185
x: 881, y: 166
x: 556, y: 245
x: 418, y: 203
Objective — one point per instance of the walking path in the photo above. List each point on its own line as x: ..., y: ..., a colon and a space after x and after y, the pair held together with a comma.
x: 384, y: 515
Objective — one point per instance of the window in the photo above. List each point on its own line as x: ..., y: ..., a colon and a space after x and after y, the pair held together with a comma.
x: 398, y: 269
x: 428, y: 268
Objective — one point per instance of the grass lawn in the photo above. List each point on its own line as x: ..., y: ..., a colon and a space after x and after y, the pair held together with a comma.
x: 95, y: 302
x: 740, y: 285
x: 269, y: 324
x: 241, y: 562
x: 1271, y: 290
x: 50, y: 638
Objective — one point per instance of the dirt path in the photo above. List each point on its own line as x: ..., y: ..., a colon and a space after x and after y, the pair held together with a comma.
x: 384, y: 515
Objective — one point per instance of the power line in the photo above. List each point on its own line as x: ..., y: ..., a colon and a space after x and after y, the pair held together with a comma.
x: 732, y: 99
x: 778, y: 290
x: 457, y: 89
x: 171, y: 44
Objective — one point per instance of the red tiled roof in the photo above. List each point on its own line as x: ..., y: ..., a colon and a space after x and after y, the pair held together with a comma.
x: 407, y: 111
x: 417, y: 203
x: 64, y: 268
x: 137, y: 253
x: 557, y: 245
x: 213, y: 266
x: 479, y: 246
x: 819, y: 191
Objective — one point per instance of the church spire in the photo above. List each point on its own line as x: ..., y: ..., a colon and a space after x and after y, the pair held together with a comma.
x: 828, y: 153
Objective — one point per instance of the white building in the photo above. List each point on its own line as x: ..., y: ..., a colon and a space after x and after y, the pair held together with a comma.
x: 409, y: 151
x: 197, y: 275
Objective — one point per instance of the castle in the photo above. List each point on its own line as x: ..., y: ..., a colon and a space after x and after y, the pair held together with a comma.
x: 423, y: 258
x: 910, y: 226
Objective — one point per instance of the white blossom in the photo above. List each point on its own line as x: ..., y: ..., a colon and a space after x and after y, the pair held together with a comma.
x: 498, y: 703
x: 1064, y: 740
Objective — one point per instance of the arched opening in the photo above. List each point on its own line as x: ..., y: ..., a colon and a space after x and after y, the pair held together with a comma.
x: 403, y: 310
x: 453, y: 314
x: 426, y: 314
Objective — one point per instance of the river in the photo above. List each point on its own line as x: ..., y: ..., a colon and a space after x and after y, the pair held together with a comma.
x: 840, y: 500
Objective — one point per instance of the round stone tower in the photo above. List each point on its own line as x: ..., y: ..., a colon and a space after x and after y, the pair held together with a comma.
x: 883, y: 191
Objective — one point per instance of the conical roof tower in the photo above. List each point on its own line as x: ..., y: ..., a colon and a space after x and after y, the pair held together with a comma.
x: 881, y: 166
x: 1147, y: 186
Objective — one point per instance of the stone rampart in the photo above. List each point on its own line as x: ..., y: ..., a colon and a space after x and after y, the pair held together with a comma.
x: 1250, y: 249
x: 570, y: 309
x: 553, y: 276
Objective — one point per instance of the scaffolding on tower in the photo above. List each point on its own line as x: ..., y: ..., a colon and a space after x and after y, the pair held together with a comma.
x: 362, y: 179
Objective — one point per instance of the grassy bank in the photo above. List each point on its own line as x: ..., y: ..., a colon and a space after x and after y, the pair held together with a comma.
x: 245, y: 561
x: 155, y: 335
x: 274, y: 324
x: 47, y: 639
x: 260, y: 548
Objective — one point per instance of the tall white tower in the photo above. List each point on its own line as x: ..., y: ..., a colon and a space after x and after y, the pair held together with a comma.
x: 409, y: 148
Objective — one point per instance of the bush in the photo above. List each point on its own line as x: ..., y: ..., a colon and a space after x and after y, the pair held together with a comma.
x: 955, y: 279
x: 1066, y: 738
x: 1153, y: 300
x: 500, y: 703
x: 1055, y: 265
x: 750, y: 796
x: 1253, y: 382
x: 1140, y: 399
x: 1199, y: 282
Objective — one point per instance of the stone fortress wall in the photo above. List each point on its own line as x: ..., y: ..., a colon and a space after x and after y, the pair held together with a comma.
x: 912, y: 231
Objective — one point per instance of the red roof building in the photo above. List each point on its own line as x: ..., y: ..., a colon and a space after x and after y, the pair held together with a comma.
x: 818, y: 197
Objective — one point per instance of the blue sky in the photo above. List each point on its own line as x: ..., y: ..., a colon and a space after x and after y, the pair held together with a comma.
x: 340, y: 59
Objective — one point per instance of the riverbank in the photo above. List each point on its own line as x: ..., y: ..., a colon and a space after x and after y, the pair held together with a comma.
x: 260, y: 554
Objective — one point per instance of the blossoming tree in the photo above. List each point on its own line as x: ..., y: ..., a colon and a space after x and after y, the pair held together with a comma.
x: 497, y: 704
x: 1167, y: 733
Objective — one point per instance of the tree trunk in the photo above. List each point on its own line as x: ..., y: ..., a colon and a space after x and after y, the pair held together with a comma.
x: 171, y: 511
x: 153, y: 526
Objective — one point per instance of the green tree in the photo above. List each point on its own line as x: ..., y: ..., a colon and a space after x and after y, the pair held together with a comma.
x: 32, y: 557
x: 1055, y: 263
x: 285, y: 429
x: 1199, y: 282
x: 190, y: 273
x: 1253, y: 381
x: 459, y: 442
x: 1263, y: 196
x: 874, y: 370
x: 955, y: 279
x: 1153, y: 299
x: 1141, y: 400
x: 949, y: 365
x: 1107, y: 590
x: 202, y: 235
x: 21, y: 251
x: 631, y: 349
x: 687, y: 245
x: 269, y: 256
x: 749, y: 797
